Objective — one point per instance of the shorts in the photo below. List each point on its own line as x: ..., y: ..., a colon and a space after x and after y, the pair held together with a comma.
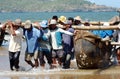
x: 28, y: 56
x: 57, y: 53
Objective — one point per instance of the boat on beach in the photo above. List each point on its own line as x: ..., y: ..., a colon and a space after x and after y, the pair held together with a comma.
x: 91, y: 50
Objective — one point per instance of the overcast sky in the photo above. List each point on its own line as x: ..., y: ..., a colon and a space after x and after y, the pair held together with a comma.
x: 112, y: 3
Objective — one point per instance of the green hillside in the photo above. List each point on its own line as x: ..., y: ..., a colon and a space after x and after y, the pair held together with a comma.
x: 49, y: 6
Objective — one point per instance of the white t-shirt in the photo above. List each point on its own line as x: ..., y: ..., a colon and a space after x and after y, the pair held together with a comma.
x: 54, y: 40
x: 16, y: 41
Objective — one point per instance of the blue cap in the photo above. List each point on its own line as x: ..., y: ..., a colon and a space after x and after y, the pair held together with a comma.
x: 44, y: 24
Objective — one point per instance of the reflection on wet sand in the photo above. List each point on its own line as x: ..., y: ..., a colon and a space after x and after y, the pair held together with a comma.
x: 110, y: 73
x: 67, y: 77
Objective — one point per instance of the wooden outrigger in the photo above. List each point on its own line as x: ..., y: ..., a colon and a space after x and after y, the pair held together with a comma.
x: 115, y: 27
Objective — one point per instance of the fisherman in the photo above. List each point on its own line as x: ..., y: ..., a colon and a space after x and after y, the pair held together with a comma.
x: 45, y: 47
x: 2, y: 34
x: 56, y: 40
x: 87, y: 23
x: 77, y: 21
x: 116, y: 38
x: 15, y: 43
x: 32, y: 35
x: 60, y: 24
x: 67, y: 45
x: 61, y: 21
x: 71, y: 22
x: 55, y: 17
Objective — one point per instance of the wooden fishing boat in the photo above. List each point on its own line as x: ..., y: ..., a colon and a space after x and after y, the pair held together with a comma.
x: 90, y: 50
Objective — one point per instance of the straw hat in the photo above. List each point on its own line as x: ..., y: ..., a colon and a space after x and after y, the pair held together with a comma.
x: 77, y: 18
x: 18, y: 22
x: 62, y: 19
x: 27, y: 24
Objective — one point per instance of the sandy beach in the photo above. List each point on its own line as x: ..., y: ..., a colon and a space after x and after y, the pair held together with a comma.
x: 112, y: 72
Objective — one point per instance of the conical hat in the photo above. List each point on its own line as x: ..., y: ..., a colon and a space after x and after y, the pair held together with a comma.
x: 77, y: 18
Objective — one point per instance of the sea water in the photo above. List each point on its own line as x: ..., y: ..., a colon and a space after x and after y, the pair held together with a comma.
x: 38, y: 16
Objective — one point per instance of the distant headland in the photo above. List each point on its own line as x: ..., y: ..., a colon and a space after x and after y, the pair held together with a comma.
x: 51, y: 6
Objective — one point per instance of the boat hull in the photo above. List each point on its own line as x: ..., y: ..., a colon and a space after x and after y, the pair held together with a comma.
x: 90, y: 51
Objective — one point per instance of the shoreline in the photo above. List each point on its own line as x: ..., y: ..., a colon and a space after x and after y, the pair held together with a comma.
x: 114, y: 70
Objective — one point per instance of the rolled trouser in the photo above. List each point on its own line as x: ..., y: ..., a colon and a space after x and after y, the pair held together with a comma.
x: 14, y: 59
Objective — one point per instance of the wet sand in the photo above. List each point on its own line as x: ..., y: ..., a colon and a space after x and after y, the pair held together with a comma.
x: 112, y: 72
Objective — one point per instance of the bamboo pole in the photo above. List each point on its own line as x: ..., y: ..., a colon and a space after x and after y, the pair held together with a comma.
x: 96, y: 27
x: 97, y: 23
x: 115, y: 43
